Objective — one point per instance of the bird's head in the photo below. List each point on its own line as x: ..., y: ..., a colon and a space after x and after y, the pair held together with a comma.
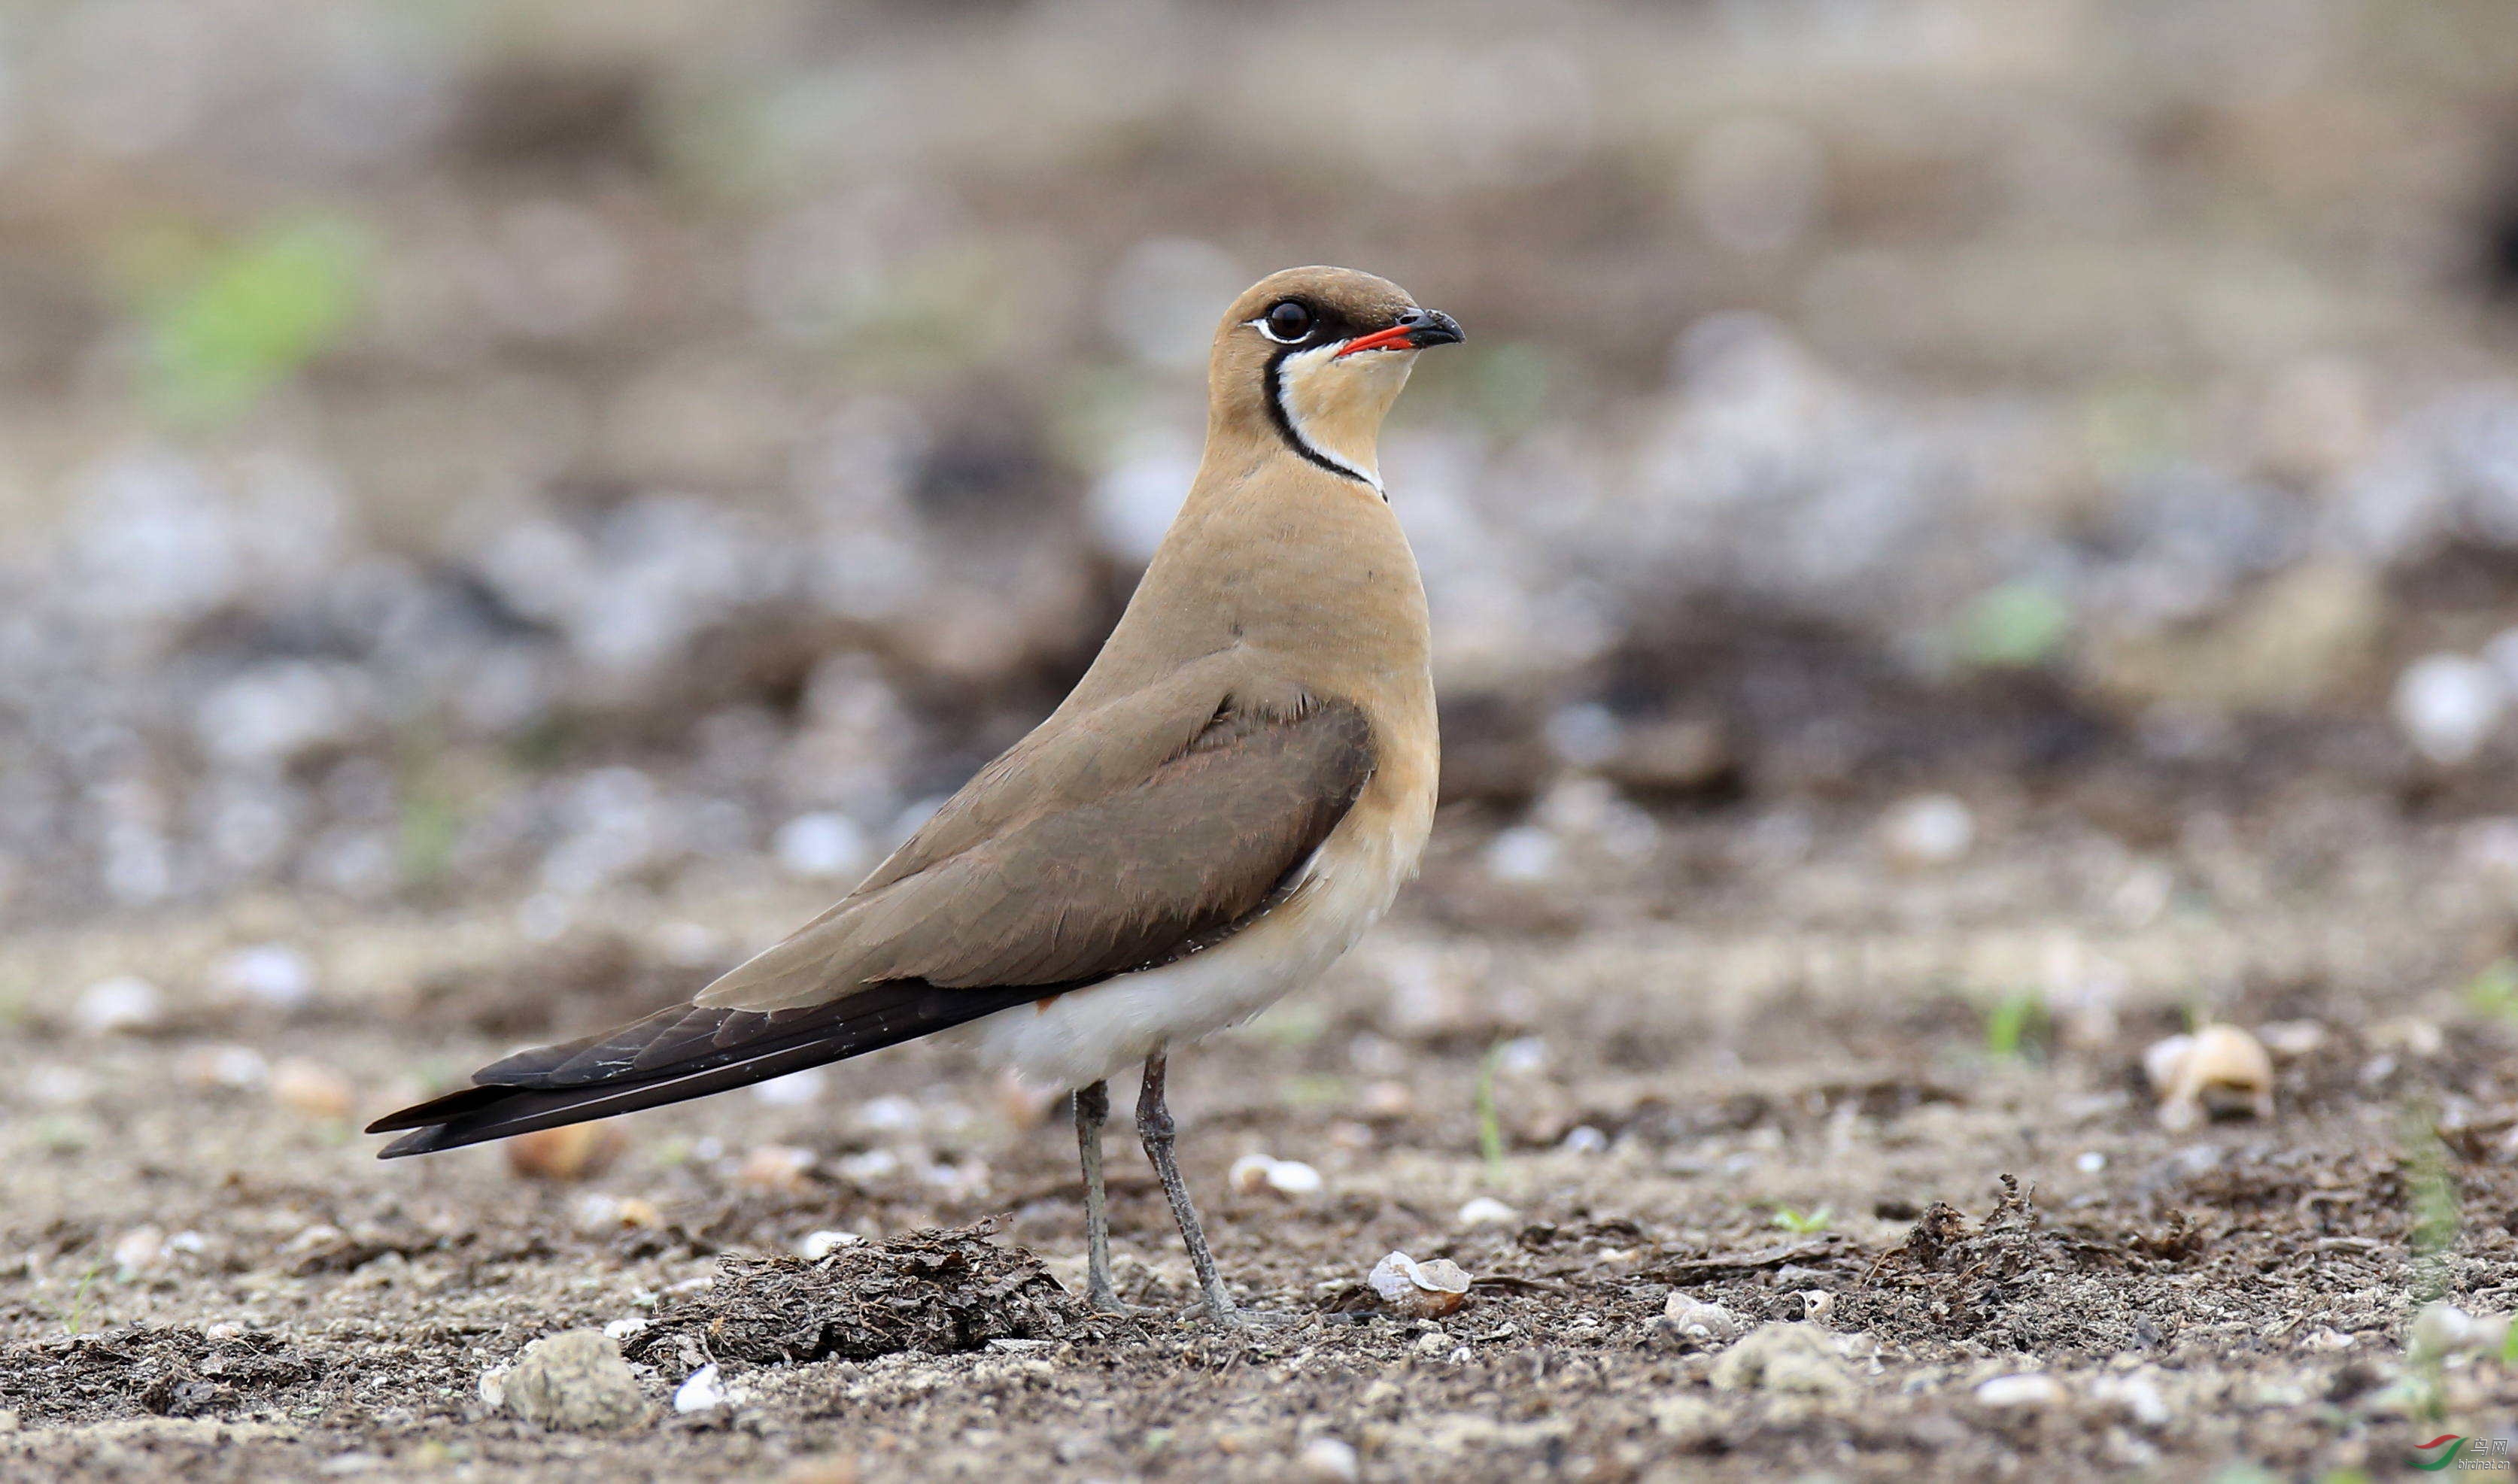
x: 1312, y: 358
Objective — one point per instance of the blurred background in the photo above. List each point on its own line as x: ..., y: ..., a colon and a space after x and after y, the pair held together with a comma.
x: 520, y: 452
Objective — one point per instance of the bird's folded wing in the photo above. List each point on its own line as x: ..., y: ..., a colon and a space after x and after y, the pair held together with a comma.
x: 1089, y: 870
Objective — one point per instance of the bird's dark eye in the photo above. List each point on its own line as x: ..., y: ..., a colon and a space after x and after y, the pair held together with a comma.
x: 1289, y: 321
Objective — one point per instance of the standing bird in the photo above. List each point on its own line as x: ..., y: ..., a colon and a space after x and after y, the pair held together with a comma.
x: 1232, y: 794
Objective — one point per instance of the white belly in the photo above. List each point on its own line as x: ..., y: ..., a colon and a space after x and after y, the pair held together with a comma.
x: 1088, y: 1034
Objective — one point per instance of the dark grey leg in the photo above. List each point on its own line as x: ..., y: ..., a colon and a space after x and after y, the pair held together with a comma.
x: 1155, y: 1126
x: 1092, y: 1108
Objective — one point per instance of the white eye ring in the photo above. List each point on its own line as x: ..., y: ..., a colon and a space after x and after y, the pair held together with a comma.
x: 1261, y: 326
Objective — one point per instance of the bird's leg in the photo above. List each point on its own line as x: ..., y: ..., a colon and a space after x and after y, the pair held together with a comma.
x: 1092, y: 1107
x: 1155, y: 1126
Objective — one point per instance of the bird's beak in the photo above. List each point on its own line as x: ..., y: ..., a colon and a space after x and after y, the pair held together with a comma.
x: 1416, y: 331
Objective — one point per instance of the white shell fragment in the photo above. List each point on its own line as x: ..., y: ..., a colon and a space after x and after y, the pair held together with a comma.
x: 1487, y: 1211
x: 1254, y: 1172
x: 703, y: 1391
x: 2218, y: 1071
x: 1418, y: 1290
x: 1698, y: 1323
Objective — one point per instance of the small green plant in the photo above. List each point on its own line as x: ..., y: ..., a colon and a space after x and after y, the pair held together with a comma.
x: 2015, y: 1025
x: 1489, y: 1123
x: 75, y: 1322
x: 1804, y: 1223
x: 225, y: 322
x: 2016, y: 627
x: 2432, y: 1191
x: 2493, y: 992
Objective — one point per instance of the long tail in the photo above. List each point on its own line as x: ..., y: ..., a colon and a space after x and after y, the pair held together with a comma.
x: 679, y: 1053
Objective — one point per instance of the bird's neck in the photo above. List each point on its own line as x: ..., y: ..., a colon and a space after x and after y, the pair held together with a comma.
x: 1275, y: 554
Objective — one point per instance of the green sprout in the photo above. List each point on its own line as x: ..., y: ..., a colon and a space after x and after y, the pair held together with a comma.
x: 2436, y: 1213
x: 1804, y: 1223
x: 2493, y: 992
x: 224, y: 323
x: 2016, y: 627
x: 2015, y: 1024
x: 75, y: 1322
x: 1489, y: 1123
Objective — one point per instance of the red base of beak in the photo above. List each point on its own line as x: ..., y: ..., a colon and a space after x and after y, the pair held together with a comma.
x: 1394, y: 338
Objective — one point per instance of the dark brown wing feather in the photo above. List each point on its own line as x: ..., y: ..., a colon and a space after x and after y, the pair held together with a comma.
x: 1057, y: 900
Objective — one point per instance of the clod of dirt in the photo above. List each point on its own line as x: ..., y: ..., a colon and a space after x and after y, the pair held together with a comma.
x: 933, y: 1291
x: 1418, y: 1290
x: 572, y: 1382
x: 2218, y: 1072
x: 1800, y: 1359
x: 176, y: 1372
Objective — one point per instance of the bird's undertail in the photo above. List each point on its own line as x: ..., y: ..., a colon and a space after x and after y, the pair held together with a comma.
x: 683, y: 1052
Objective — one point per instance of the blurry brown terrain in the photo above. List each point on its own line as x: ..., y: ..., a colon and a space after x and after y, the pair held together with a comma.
x: 1968, y: 536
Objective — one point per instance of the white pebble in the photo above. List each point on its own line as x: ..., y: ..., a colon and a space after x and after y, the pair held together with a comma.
x: 2447, y: 705
x: 2090, y: 1163
x: 1928, y: 830
x: 702, y: 1391
x: 817, y: 1246
x: 797, y: 1089
x: 1487, y: 1211
x: 1294, y: 1177
x: 1523, y: 853
x: 2031, y: 1388
x: 1330, y: 1461
x: 271, y: 973
x: 820, y: 846
x: 622, y: 1328
x: 1582, y: 1139
x: 125, y: 1002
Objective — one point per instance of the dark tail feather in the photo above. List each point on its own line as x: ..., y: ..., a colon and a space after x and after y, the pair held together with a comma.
x: 681, y: 1053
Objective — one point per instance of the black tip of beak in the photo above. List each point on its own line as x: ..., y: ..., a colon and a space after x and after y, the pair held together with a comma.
x: 1431, y: 326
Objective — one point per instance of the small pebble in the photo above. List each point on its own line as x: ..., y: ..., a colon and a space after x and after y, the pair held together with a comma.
x: 821, y: 847
x: 272, y: 974
x: 782, y: 1169
x: 817, y: 1246
x: 312, y: 1090
x: 2447, y: 705
x: 2031, y: 1388
x: 1487, y: 1211
x: 122, y: 1003
x: 1582, y: 1139
x: 1928, y: 830
x: 1328, y: 1461
x: 569, y: 1153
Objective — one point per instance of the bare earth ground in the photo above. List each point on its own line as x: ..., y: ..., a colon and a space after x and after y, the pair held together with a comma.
x: 1763, y: 1012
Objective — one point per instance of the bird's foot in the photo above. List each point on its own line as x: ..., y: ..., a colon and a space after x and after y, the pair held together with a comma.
x: 1105, y: 1301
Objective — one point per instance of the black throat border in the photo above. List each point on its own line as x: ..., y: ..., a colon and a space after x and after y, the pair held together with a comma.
x: 1284, y: 421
